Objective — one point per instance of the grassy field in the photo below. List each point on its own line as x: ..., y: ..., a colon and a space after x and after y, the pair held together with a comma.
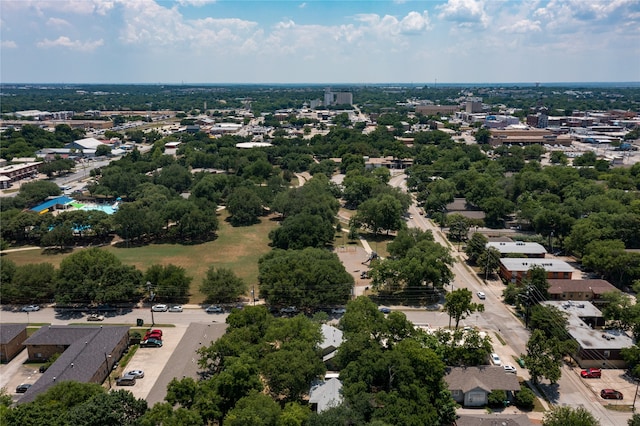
x: 235, y: 248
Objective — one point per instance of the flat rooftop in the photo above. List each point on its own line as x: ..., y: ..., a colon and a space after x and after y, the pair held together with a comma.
x: 522, y: 265
x: 517, y: 247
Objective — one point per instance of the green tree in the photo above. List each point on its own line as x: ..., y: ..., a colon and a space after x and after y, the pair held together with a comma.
x: 458, y: 304
x: 169, y: 282
x: 256, y: 409
x: 497, y: 398
x: 245, y: 207
x: 483, y: 136
x: 302, y: 230
x: 634, y: 420
x: 307, y: 278
x: 61, y: 235
x: 32, y: 282
x: 476, y: 246
x: 380, y: 213
x: 525, y: 398
x: 543, y: 358
x: 489, y: 261
x: 568, y: 416
x: 222, y: 285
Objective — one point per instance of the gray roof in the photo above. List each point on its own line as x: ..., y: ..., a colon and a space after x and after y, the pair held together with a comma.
x: 488, y: 378
x: 8, y: 332
x: 88, y: 348
x: 587, y: 337
x: 523, y: 265
x: 518, y: 247
x: 332, y: 337
x: 326, y: 394
x: 493, y: 419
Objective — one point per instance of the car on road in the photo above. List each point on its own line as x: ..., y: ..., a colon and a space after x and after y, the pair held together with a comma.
x: 175, y: 308
x: 384, y: 310
x: 610, y: 394
x: 289, y: 310
x: 338, y: 311
x: 138, y: 374
x: 151, y: 343
x: 95, y: 317
x: 30, y: 308
x: 591, y: 373
x: 481, y: 295
x: 510, y: 369
x: 23, y: 387
x: 159, y: 308
x: 495, y: 359
x: 214, y: 309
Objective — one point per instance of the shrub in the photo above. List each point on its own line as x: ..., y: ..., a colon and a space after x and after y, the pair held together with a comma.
x: 525, y: 398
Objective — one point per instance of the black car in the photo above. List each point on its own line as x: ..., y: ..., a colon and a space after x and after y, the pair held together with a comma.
x: 151, y: 343
x: 22, y: 388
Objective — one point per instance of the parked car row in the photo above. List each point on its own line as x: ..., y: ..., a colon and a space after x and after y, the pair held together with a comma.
x: 129, y: 379
x: 152, y: 339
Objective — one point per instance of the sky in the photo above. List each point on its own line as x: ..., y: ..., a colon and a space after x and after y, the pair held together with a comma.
x: 319, y: 41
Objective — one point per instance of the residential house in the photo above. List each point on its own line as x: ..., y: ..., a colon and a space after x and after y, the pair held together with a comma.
x: 12, y: 337
x: 331, y: 341
x: 471, y: 386
x: 493, y: 419
x: 325, y: 394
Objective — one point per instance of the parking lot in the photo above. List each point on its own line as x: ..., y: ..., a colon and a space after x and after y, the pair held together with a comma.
x: 160, y: 365
x: 611, y: 379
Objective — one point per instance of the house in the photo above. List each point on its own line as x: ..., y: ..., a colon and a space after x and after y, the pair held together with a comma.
x: 87, y: 354
x: 597, y: 348
x: 325, y: 394
x: 471, y: 386
x: 580, y: 290
x: 515, y: 269
x: 531, y: 250
x: 493, y: 419
x: 12, y: 337
x: 331, y: 341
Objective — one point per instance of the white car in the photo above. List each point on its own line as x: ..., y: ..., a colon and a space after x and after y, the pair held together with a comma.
x: 138, y: 374
x: 159, y: 308
x: 175, y: 308
x: 214, y: 309
x: 95, y: 317
x: 31, y: 308
x: 481, y: 295
x: 495, y: 359
x: 509, y: 369
x: 338, y: 311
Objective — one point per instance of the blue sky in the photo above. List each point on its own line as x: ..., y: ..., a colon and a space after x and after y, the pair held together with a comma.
x: 313, y: 41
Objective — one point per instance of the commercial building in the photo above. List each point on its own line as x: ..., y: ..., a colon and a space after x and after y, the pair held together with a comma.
x: 597, y: 348
x: 16, y: 172
x: 530, y: 250
x: 527, y: 136
x: 516, y: 269
x: 437, y: 109
x: 580, y: 290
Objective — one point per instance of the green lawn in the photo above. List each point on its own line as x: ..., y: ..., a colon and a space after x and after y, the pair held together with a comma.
x: 235, y: 248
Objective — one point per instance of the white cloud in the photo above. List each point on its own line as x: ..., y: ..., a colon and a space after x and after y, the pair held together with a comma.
x: 464, y: 12
x: 415, y: 22
x: 302, y: 5
x: 66, y: 42
x: 57, y: 23
x: 8, y: 44
x: 80, y: 7
x: 196, y: 3
x: 522, y: 26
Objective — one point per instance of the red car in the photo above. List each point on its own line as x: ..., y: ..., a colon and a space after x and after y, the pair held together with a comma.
x: 153, y: 334
x: 610, y: 394
x: 591, y: 373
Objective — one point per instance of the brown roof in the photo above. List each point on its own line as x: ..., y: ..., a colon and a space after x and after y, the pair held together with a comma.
x: 485, y: 377
x: 574, y: 286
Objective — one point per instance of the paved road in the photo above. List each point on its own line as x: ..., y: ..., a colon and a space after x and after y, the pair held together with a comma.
x: 499, y: 319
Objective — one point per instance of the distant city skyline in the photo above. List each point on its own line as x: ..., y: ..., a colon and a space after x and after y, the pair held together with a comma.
x: 319, y: 42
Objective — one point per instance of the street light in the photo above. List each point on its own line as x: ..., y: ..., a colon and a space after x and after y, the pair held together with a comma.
x: 253, y: 295
x: 106, y: 360
x: 153, y: 321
